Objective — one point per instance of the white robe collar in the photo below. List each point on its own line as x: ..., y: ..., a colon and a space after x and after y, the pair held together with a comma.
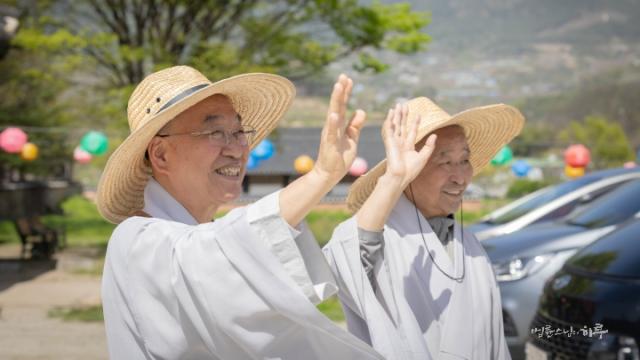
x: 403, y: 219
x: 160, y: 204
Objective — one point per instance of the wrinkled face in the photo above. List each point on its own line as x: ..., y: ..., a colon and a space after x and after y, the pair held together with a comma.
x: 204, y: 172
x: 439, y: 187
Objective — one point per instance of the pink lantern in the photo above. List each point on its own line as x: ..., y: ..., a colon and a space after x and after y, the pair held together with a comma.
x: 577, y: 156
x: 12, y: 140
x: 81, y: 156
x: 358, y: 167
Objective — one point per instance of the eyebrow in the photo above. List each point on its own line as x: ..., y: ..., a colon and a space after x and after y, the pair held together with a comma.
x: 212, y: 118
x: 445, y: 152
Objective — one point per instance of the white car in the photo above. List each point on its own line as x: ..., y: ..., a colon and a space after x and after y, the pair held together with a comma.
x: 551, y: 203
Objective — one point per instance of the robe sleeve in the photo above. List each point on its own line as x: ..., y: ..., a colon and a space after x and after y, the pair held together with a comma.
x: 214, y: 290
x: 500, y: 350
x: 296, y: 249
x: 371, y: 245
x: 345, y: 233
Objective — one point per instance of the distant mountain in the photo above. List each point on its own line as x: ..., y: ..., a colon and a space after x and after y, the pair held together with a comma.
x: 559, y: 59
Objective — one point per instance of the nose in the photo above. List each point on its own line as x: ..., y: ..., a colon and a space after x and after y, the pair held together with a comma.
x: 457, y: 174
x: 234, y: 150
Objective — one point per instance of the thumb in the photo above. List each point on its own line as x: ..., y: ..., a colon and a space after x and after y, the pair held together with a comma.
x: 355, y: 125
x: 428, y: 148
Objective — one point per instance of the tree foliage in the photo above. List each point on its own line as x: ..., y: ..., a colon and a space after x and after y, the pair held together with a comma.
x: 605, y: 139
x: 73, y: 64
x: 297, y: 38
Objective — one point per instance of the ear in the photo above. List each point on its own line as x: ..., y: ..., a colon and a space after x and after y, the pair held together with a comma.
x: 157, y: 154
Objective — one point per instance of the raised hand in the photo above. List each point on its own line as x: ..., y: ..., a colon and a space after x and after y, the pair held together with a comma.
x: 399, y: 133
x: 338, y: 146
x: 404, y: 163
x: 339, y: 139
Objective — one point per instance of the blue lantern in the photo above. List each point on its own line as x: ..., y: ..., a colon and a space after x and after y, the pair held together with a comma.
x: 264, y: 150
x: 520, y: 168
x: 252, y: 162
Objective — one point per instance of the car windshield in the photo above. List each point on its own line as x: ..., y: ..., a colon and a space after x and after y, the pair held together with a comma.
x: 615, y: 254
x: 613, y: 208
x: 544, y: 196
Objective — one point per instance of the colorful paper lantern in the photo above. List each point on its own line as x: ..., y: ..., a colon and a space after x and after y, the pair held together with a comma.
x: 358, y: 167
x: 252, y: 162
x: 503, y: 157
x: 81, y: 156
x: 12, y: 140
x: 29, y: 152
x: 95, y: 143
x: 303, y: 164
x: 264, y: 150
x: 520, y: 168
x: 577, y: 156
x: 573, y: 172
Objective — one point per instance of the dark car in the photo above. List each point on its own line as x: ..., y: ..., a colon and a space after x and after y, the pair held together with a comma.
x: 525, y: 259
x: 590, y: 309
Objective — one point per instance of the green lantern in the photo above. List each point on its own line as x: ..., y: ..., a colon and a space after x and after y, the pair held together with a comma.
x: 503, y: 157
x: 94, y: 142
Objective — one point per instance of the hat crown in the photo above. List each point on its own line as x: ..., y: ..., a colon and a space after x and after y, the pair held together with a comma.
x: 159, y: 88
x: 431, y: 113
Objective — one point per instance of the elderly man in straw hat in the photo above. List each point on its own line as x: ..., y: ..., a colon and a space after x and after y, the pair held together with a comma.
x: 177, y: 285
x: 413, y: 283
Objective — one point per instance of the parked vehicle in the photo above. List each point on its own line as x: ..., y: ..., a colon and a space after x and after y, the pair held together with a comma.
x: 551, y: 203
x: 524, y: 260
x: 595, y: 299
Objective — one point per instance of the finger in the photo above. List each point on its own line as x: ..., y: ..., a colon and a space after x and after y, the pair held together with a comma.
x: 397, y: 121
x: 428, y: 148
x: 387, y: 127
x: 358, y: 120
x: 403, y: 120
x: 331, y: 128
x: 336, y: 98
x: 348, y: 86
x: 413, y: 131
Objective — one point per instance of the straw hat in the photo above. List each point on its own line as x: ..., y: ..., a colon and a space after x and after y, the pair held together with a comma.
x: 487, y: 128
x: 260, y: 99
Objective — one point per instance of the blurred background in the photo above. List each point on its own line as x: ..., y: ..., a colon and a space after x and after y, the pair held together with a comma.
x: 565, y: 189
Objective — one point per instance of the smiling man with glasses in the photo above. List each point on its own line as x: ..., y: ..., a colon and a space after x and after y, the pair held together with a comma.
x: 177, y: 285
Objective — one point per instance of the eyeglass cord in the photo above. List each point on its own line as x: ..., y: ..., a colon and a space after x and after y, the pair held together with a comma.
x: 457, y: 279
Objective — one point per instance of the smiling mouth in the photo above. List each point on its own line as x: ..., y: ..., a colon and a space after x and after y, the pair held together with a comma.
x: 453, y: 193
x: 228, y: 171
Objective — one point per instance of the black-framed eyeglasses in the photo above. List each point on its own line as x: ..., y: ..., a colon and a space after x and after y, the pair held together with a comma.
x: 221, y: 137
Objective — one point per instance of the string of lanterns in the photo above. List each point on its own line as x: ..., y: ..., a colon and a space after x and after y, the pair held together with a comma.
x: 14, y: 140
x: 576, y: 158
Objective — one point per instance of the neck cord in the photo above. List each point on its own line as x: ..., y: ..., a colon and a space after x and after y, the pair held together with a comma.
x: 457, y: 279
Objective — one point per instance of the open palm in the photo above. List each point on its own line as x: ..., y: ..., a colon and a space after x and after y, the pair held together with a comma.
x: 399, y: 135
x: 339, y: 141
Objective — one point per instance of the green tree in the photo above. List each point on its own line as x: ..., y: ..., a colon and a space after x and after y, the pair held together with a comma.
x: 605, y: 139
x: 73, y: 64
x: 297, y: 38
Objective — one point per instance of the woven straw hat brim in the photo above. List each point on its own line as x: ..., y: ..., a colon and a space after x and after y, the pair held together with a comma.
x: 260, y: 99
x: 487, y: 129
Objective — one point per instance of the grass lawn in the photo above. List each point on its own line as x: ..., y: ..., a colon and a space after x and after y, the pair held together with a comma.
x: 84, y: 314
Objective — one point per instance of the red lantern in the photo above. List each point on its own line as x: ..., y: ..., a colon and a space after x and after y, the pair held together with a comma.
x: 577, y: 156
x: 12, y: 140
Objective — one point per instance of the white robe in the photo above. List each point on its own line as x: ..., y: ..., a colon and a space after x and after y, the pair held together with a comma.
x: 429, y: 316
x: 241, y: 287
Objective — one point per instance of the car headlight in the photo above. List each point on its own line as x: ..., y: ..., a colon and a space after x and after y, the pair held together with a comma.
x: 521, y: 267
